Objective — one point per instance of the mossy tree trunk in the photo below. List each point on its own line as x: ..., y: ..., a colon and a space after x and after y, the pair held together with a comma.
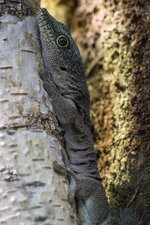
x: 113, y: 37
x: 125, y: 47
x: 31, y: 192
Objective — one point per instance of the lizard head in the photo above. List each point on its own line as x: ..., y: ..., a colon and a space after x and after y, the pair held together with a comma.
x: 62, y: 58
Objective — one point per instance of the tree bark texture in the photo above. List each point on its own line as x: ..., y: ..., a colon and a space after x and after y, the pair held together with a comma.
x: 113, y: 37
x: 31, y: 192
x: 19, y: 7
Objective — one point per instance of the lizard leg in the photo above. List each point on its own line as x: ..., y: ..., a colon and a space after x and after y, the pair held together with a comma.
x: 64, y: 108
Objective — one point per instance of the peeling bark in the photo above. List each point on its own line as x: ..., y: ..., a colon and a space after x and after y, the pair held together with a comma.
x: 30, y: 139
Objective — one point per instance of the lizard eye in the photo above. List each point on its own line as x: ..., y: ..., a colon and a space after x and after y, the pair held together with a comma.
x: 62, y: 41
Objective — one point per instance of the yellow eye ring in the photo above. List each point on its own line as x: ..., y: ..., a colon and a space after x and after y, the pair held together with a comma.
x: 62, y: 41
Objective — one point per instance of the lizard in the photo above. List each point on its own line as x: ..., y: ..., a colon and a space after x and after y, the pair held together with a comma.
x: 64, y: 80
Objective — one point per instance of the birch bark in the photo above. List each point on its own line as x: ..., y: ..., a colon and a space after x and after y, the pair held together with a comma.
x: 31, y: 192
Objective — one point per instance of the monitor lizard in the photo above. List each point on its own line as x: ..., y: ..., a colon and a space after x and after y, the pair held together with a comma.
x: 65, y: 82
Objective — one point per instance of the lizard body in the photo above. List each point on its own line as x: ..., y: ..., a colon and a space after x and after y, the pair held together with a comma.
x: 65, y: 82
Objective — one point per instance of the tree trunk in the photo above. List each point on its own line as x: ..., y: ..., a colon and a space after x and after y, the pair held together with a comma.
x: 30, y: 139
x: 113, y: 37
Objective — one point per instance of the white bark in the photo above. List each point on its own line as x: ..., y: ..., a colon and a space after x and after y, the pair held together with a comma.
x: 31, y: 192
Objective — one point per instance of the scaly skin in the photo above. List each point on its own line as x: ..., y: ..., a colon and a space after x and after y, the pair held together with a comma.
x: 65, y: 82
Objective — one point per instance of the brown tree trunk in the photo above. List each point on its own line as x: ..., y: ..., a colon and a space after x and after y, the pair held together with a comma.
x: 113, y: 37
